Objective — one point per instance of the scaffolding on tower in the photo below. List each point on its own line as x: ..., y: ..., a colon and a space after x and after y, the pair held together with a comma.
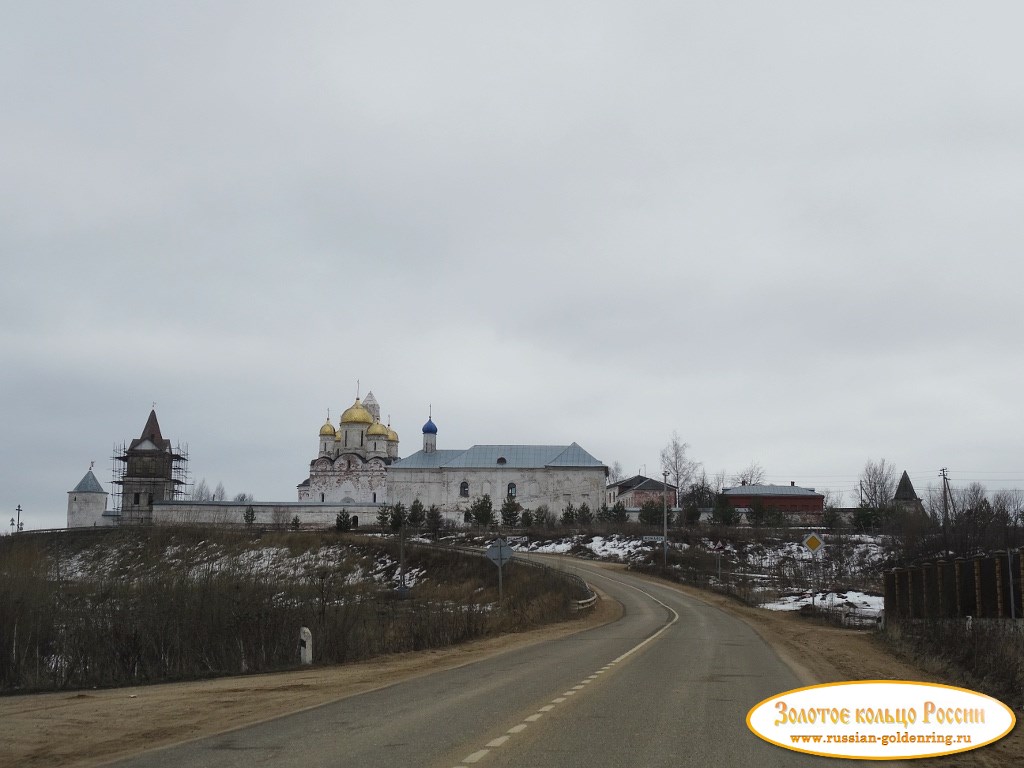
x: 173, y: 486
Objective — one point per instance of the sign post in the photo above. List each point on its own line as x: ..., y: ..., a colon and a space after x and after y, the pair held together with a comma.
x: 813, y: 543
x: 499, y: 553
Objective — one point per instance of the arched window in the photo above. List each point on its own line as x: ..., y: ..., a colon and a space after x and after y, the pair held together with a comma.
x: 511, y: 490
x: 464, y: 489
x: 502, y: 460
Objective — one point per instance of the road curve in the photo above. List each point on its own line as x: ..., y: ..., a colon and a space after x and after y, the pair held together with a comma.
x: 669, y: 684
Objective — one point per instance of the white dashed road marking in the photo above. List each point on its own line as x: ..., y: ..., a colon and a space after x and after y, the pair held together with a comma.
x: 479, y: 755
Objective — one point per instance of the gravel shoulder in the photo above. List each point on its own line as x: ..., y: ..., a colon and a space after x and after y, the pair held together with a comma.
x: 88, y: 728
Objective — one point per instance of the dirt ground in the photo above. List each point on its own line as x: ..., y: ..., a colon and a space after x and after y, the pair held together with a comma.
x: 87, y: 728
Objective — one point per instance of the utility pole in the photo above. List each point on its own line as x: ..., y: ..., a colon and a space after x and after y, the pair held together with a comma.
x: 19, y: 528
x: 1009, y: 580
x: 945, y: 498
x: 664, y: 519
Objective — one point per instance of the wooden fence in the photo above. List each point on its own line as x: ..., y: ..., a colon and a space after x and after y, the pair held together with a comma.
x: 983, y: 586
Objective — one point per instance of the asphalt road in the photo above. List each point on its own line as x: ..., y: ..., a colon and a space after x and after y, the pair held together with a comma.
x: 669, y: 684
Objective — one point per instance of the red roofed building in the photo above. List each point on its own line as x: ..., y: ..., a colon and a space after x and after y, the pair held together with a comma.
x: 796, y: 503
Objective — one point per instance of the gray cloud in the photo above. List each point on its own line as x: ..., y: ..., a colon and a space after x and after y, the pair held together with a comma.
x: 788, y: 231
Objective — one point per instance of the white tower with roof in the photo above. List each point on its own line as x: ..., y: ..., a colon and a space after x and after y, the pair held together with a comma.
x: 87, y: 504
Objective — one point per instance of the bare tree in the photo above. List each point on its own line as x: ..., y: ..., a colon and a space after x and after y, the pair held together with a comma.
x: 201, y: 491
x: 752, y: 475
x: 219, y: 494
x: 1009, y: 513
x: 244, y: 498
x: 971, y: 518
x: 679, y: 466
x: 877, y: 485
x: 615, y: 472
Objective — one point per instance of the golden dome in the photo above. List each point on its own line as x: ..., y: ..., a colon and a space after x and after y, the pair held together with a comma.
x: 377, y: 429
x: 357, y: 414
x: 392, y: 435
x: 327, y: 430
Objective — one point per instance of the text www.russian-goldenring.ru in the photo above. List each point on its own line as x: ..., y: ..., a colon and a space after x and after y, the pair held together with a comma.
x: 885, y: 740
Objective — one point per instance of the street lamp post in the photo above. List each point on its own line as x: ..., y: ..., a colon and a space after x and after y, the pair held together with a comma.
x: 664, y: 518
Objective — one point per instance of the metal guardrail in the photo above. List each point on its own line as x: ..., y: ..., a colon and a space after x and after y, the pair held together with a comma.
x: 582, y: 605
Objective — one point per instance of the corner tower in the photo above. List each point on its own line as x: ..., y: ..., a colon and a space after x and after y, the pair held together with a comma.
x: 87, y: 504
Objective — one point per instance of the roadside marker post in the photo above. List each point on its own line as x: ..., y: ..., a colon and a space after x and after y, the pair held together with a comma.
x: 499, y: 553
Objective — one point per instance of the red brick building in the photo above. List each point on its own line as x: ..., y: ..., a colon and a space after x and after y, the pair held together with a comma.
x: 633, y: 492
x: 799, y: 504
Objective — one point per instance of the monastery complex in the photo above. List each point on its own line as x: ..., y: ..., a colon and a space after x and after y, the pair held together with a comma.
x: 357, y: 468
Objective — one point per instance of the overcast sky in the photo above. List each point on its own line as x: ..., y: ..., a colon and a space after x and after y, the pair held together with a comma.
x: 790, y: 231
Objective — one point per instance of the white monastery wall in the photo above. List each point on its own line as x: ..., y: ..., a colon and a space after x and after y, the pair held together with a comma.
x: 268, y: 514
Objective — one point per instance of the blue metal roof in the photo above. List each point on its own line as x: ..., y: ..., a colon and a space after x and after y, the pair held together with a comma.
x: 574, y: 456
x: 424, y: 460
x: 511, y: 456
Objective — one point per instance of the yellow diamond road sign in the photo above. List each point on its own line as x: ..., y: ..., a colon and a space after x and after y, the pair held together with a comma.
x: 813, y: 543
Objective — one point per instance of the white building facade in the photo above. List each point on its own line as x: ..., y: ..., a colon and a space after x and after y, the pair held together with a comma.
x: 533, y: 475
